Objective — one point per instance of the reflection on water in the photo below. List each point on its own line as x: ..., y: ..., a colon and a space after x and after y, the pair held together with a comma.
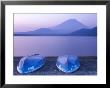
x: 55, y: 45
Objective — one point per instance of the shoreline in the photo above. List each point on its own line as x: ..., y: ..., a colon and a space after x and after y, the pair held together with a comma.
x: 88, y: 67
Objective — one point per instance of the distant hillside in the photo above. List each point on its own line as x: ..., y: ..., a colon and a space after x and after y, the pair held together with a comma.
x: 38, y: 32
x: 85, y: 32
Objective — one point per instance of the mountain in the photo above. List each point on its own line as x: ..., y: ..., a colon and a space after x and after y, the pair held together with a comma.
x: 85, y: 32
x: 38, y: 32
x: 35, y: 32
x: 68, y: 26
x: 41, y: 31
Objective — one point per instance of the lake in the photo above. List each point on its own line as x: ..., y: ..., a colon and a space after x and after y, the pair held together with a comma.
x: 55, y: 45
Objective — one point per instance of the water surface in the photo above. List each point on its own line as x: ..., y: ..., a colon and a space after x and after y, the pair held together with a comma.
x: 55, y: 45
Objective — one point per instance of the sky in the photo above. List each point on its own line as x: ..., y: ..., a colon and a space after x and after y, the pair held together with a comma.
x: 30, y: 22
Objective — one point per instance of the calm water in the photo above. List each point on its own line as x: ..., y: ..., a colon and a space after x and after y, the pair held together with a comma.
x: 55, y: 45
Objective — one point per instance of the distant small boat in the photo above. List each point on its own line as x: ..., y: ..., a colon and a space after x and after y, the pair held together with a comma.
x: 31, y: 63
x: 68, y: 63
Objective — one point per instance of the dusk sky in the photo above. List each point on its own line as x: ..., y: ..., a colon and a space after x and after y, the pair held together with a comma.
x: 29, y: 22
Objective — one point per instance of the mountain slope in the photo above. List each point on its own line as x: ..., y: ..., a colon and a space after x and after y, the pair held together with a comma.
x: 41, y: 31
x: 85, y: 32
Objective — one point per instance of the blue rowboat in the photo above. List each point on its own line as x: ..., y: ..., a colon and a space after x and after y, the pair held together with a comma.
x: 31, y: 63
x: 68, y: 63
